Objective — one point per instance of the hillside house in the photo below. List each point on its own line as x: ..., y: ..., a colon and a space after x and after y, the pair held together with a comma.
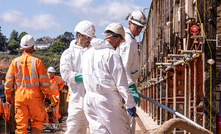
x: 45, y: 43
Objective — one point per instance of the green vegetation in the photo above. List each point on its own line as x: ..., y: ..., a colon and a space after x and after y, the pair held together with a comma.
x: 13, y: 45
x: 49, y: 58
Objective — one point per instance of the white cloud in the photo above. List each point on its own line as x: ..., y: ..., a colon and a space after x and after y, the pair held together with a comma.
x: 78, y: 3
x: 11, y: 16
x: 54, y: 2
x: 106, y: 12
x: 39, y: 22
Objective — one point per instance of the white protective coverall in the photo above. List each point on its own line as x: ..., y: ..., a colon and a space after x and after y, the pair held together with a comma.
x: 70, y: 64
x: 129, y: 53
x: 107, y: 92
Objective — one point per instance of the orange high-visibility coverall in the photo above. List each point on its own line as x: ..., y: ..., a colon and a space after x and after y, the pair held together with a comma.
x: 5, y: 110
x: 56, y: 85
x: 30, y: 76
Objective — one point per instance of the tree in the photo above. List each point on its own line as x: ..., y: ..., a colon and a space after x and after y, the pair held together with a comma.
x: 39, y: 39
x: 21, y: 35
x: 57, y: 47
x: 66, y: 38
x: 14, y: 35
x: 12, y: 46
x: 69, y: 36
x: 3, y: 41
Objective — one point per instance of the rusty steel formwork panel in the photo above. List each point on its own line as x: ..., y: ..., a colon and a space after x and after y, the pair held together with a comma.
x: 179, y: 88
x: 179, y: 92
x: 169, y: 93
x: 158, y: 100
x: 196, y: 90
x: 142, y: 101
x: 145, y: 101
x: 149, y: 103
x: 163, y: 101
x: 154, y: 106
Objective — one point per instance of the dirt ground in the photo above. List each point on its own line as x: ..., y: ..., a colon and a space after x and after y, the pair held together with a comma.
x: 4, y: 64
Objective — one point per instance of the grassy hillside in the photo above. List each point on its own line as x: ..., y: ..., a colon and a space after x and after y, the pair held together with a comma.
x: 49, y: 59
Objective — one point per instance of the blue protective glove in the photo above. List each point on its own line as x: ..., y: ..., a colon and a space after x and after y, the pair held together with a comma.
x: 133, y: 91
x: 132, y: 111
x: 78, y: 77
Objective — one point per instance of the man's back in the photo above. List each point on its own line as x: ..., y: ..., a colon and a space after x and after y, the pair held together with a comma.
x: 28, y: 75
x: 99, y: 64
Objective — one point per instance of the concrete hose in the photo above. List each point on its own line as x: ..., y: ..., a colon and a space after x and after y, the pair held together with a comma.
x: 169, y: 126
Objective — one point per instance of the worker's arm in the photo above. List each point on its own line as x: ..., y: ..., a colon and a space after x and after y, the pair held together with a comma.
x: 44, y: 81
x: 133, y: 91
x: 127, y: 54
x: 117, y: 71
x: 9, y: 82
x: 66, y: 68
x: 61, y: 83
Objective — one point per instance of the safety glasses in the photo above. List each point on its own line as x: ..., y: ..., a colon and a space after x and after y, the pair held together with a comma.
x: 89, y: 38
x: 138, y: 27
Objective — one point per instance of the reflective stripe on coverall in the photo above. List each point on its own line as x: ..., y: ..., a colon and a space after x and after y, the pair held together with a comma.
x: 70, y: 64
x: 129, y: 53
x: 106, y: 90
x: 56, y: 85
x: 30, y: 76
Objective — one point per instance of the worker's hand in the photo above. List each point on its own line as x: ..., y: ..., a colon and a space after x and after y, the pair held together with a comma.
x: 78, y: 77
x: 132, y: 111
x: 9, y: 100
x: 133, y: 91
x: 53, y: 99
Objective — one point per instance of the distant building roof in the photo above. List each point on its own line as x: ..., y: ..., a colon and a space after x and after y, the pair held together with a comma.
x: 49, y: 40
x: 45, y: 43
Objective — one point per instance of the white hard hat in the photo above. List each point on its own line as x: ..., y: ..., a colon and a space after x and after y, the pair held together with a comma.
x: 137, y: 17
x: 27, y: 41
x: 51, y: 69
x: 86, y: 28
x: 117, y: 28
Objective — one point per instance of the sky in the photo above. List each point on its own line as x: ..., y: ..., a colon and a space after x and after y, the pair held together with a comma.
x: 50, y: 18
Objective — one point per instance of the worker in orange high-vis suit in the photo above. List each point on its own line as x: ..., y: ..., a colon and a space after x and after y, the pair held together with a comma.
x: 32, y: 83
x: 56, y: 85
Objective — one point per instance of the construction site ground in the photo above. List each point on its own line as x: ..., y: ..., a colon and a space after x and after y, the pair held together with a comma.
x: 145, y: 118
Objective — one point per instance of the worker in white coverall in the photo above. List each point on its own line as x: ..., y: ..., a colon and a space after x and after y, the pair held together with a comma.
x: 71, y: 72
x: 128, y: 51
x: 107, y: 94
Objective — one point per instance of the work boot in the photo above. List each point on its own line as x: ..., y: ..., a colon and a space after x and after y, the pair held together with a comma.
x: 60, y: 120
x: 35, y: 130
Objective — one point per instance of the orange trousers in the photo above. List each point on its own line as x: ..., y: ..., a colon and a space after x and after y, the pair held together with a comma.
x: 33, y: 108
x: 52, y: 116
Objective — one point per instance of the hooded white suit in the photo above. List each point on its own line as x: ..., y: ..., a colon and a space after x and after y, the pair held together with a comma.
x: 70, y: 64
x: 107, y: 92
